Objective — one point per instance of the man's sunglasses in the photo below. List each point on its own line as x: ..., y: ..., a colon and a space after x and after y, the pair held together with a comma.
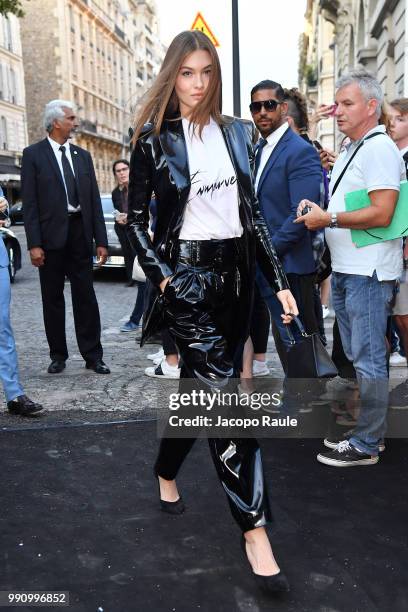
x: 269, y: 105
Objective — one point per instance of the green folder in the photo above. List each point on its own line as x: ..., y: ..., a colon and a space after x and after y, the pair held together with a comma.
x: 397, y: 228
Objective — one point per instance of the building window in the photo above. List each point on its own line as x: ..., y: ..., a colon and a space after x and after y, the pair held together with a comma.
x: 13, y: 86
x: 73, y: 61
x: 71, y: 18
x: 7, y: 34
x: 3, y: 133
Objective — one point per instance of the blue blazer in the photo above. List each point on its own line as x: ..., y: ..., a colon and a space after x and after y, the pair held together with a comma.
x: 292, y: 172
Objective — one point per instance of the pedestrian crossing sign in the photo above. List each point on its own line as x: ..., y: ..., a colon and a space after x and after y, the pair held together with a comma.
x: 200, y: 24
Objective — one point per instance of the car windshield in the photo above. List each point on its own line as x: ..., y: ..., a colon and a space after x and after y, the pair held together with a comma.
x: 107, y: 205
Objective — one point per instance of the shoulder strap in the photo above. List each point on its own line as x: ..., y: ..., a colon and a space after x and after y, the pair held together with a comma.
x: 351, y: 159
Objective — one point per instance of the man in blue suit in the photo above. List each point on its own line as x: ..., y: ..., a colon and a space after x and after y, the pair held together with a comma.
x: 286, y: 168
x: 17, y: 402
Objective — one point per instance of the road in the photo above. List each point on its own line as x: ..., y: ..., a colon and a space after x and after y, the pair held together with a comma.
x: 79, y: 395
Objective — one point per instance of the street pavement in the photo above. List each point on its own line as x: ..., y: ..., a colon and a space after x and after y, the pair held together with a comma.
x: 78, y: 395
x: 80, y: 505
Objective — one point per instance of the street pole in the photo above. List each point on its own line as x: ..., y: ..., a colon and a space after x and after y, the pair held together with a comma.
x: 236, y: 80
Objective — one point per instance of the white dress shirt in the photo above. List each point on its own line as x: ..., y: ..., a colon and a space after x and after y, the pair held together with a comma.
x: 272, y: 141
x: 58, y: 154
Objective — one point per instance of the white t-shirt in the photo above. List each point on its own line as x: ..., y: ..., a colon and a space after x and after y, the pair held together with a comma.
x: 377, y: 165
x: 212, y: 206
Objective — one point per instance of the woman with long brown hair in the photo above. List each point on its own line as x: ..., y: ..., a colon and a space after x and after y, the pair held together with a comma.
x: 201, y: 262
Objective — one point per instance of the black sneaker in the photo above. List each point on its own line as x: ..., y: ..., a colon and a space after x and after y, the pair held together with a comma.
x: 346, y: 455
x: 333, y: 442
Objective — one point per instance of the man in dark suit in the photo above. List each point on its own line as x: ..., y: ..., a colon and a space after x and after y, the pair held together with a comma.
x: 62, y: 217
x: 120, y: 203
x: 286, y: 168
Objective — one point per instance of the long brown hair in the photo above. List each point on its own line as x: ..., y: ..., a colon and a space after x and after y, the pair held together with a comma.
x: 161, y: 102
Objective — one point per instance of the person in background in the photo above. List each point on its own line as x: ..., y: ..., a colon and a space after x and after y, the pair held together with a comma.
x: 17, y: 402
x: 120, y: 203
x: 120, y: 170
x: 286, y: 169
x: 63, y: 218
x: 363, y: 279
x: 298, y: 120
x: 398, y: 128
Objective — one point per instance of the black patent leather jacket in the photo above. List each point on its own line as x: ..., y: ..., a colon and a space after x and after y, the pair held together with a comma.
x: 160, y: 164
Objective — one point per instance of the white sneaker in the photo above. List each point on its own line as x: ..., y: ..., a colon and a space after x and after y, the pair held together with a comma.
x: 260, y: 368
x: 163, y: 370
x: 396, y: 360
x: 159, y: 354
x: 325, y: 311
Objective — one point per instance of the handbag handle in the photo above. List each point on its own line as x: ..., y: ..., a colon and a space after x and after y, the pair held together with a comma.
x: 303, y: 332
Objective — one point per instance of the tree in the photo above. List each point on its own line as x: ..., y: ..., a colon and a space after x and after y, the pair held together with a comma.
x: 11, y: 6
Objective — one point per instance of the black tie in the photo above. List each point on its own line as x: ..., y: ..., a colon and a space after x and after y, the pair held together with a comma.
x: 261, y: 143
x: 69, y: 177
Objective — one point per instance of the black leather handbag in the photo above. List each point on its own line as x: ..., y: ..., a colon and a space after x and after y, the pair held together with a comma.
x: 308, y: 358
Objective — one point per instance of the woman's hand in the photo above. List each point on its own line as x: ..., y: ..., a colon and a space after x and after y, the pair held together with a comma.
x: 323, y: 111
x: 164, y: 283
x: 288, y: 304
x: 327, y: 159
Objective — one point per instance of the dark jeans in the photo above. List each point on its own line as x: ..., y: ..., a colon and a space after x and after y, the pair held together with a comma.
x: 260, y: 323
x: 169, y: 346
x: 138, y: 310
x: 127, y: 249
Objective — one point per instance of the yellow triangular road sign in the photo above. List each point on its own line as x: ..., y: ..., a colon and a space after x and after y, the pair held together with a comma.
x: 200, y: 24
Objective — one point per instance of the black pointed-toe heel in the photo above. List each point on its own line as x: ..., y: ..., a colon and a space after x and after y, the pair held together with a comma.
x: 176, y: 507
x: 276, y: 583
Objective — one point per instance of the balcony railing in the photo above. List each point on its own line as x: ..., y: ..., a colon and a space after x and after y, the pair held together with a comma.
x: 88, y: 126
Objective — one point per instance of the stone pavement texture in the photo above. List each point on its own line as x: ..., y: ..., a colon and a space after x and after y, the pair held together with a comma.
x: 77, y: 394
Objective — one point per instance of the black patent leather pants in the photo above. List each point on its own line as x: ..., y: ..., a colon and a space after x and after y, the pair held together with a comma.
x: 202, y: 301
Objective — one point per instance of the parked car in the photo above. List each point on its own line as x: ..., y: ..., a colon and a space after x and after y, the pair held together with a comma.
x: 115, y: 255
x: 16, y: 213
x: 13, y: 249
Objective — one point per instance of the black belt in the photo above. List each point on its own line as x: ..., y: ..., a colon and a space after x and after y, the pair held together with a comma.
x: 72, y: 214
x: 217, y: 254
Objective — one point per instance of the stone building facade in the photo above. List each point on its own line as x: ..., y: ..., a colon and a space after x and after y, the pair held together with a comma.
x: 13, y: 131
x: 340, y: 36
x: 101, y: 54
